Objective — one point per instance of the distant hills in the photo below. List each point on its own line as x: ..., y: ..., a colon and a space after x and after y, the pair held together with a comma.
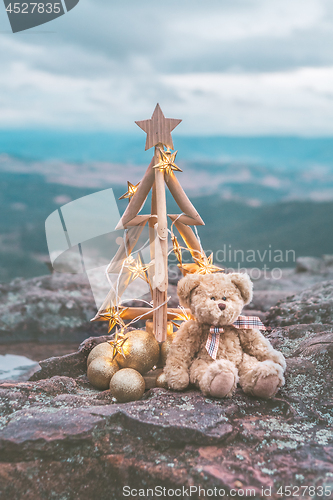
x: 259, y: 196
x: 128, y: 147
x: 251, y: 183
x: 304, y: 227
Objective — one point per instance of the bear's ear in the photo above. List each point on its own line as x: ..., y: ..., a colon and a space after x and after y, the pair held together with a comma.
x: 244, y: 284
x: 185, y: 287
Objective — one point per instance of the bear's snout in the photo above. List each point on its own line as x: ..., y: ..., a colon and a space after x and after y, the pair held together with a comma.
x: 222, y: 306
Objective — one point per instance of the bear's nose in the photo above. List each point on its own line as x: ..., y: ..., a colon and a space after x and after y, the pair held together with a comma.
x: 221, y: 306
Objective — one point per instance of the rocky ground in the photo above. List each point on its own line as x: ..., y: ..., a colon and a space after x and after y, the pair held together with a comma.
x: 62, y: 439
x: 52, y: 309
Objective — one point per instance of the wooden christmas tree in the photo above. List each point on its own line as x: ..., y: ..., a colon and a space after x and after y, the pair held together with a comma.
x: 160, y: 172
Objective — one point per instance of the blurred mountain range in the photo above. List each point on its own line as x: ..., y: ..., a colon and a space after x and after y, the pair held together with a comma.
x: 119, y: 147
x: 263, y: 195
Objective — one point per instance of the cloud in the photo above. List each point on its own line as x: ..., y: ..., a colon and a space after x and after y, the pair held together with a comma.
x: 247, y: 66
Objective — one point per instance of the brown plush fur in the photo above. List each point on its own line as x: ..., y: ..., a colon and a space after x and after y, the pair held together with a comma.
x: 244, y: 356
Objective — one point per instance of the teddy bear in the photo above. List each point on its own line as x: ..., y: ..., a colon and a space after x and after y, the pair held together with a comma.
x: 219, y: 348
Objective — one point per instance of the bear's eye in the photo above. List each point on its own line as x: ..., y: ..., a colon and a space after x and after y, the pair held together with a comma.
x: 212, y: 298
x: 224, y: 298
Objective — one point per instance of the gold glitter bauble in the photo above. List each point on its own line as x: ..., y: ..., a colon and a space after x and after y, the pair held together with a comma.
x: 165, y: 348
x: 127, y: 385
x: 100, y: 372
x: 103, y: 349
x: 141, y: 351
x: 161, y: 381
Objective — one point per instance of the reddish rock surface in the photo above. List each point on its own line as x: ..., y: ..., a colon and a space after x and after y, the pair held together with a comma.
x: 62, y: 439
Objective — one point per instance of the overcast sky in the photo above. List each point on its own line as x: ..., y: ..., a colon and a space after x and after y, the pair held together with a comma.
x: 238, y: 67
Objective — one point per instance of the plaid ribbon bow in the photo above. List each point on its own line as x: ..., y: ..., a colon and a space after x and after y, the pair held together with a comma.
x: 246, y: 322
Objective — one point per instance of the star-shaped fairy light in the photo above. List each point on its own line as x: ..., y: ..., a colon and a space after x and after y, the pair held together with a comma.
x: 117, y: 343
x: 202, y: 265
x: 205, y: 264
x: 131, y: 190
x: 158, y: 129
x: 177, y: 249
x: 167, y: 161
x: 137, y: 268
x: 182, y: 316
x: 114, y: 317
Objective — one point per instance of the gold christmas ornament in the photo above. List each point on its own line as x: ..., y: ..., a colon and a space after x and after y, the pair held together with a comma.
x: 103, y: 349
x: 161, y: 381
x: 164, y: 346
x: 141, y: 351
x: 131, y: 190
x: 100, y: 372
x: 127, y: 385
x: 167, y: 161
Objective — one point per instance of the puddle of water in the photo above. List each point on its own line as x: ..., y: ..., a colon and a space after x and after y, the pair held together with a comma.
x: 14, y: 367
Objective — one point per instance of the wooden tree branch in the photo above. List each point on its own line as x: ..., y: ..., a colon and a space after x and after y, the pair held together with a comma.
x: 112, y: 297
x: 135, y: 312
x: 132, y: 237
x: 158, y: 129
x: 152, y: 235
x: 160, y: 284
x: 185, y: 219
x: 139, y: 197
x: 181, y: 199
x: 189, y: 237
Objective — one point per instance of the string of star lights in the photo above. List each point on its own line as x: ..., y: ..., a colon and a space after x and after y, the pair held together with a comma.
x: 114, y: 316
x: 128, y: 263
x: 131, y: 190
x: 117, y: 343
x: 167, y: 161
x: 137, y: 268
x: 205, y: 264
x: 202, y: 264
